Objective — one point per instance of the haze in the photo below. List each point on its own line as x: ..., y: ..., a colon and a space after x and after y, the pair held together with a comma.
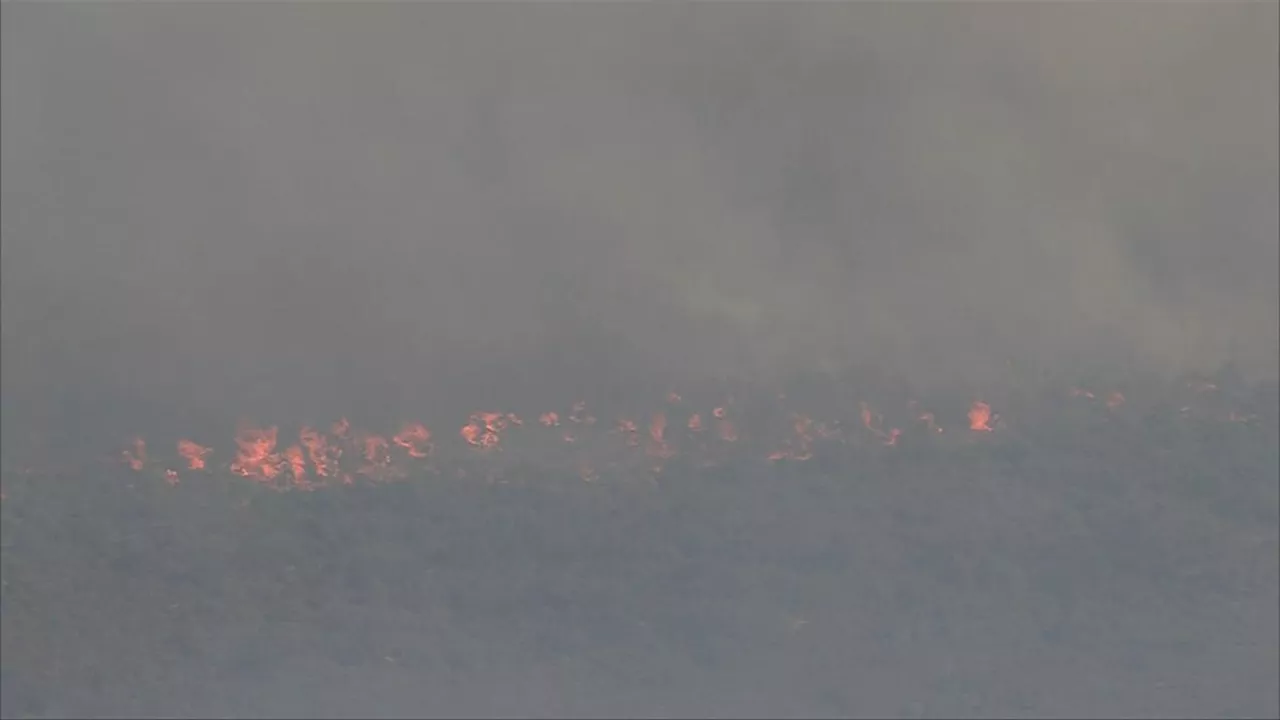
x: 294, y: 212
x: 213, y: 204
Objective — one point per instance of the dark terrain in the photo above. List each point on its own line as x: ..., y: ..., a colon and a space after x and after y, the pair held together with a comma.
x: 1135, y: 553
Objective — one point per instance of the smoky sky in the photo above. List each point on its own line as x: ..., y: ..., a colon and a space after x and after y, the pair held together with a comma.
x: 255, y: 206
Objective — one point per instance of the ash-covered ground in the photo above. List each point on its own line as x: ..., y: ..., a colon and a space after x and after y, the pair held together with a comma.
x: 1080, y: 560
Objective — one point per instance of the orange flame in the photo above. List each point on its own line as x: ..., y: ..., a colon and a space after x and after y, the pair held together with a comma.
x: 872, y: 421
x: 297, y: 467
x: 324, y: 457
x: 980, y: 417
x: 494, y: 422
x: 375, y: 450
x: 138, y: 456
x: 415, y: 438
x: 868, y: 419
x: 471, y: 433
x: 319, y: 458
x: 193, y: 454
x: 256, y: 457
x: 658, y: 447
x: 377, y: 458
x: 482, y: 431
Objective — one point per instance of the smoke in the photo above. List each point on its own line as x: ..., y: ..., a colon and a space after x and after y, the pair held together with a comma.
x: 218, y: 206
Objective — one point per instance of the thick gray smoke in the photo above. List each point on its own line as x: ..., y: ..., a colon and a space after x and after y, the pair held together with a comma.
x: 293, y: 211
x: 252, y: 206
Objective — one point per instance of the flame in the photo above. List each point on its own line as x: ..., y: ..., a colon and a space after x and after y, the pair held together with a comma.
x: 324, y: 457
x: 658, y: 447
x: 415, y: 438
x: 471, y: 433
x: 980, y: 417
x: 297, y: 467
x: 376, y: 453
x: 344, y: 455
x: 868, y: 419
x: 375, y: 450
x: 193, y: 453
x: 256, y: 457
x: 657, y: 427
x: 137, y: 457
x: 872, y: 422
x: 483, y: 429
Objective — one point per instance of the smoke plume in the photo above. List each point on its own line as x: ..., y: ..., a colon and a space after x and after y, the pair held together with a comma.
x: 221, y: 206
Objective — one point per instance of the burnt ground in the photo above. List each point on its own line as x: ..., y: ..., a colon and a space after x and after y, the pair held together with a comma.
x: 1068, y: 568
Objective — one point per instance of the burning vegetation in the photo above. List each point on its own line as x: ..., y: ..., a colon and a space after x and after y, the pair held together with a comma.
x: 647, y: 441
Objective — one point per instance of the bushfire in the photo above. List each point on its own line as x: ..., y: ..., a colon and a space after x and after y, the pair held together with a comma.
x: 673, y: 431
